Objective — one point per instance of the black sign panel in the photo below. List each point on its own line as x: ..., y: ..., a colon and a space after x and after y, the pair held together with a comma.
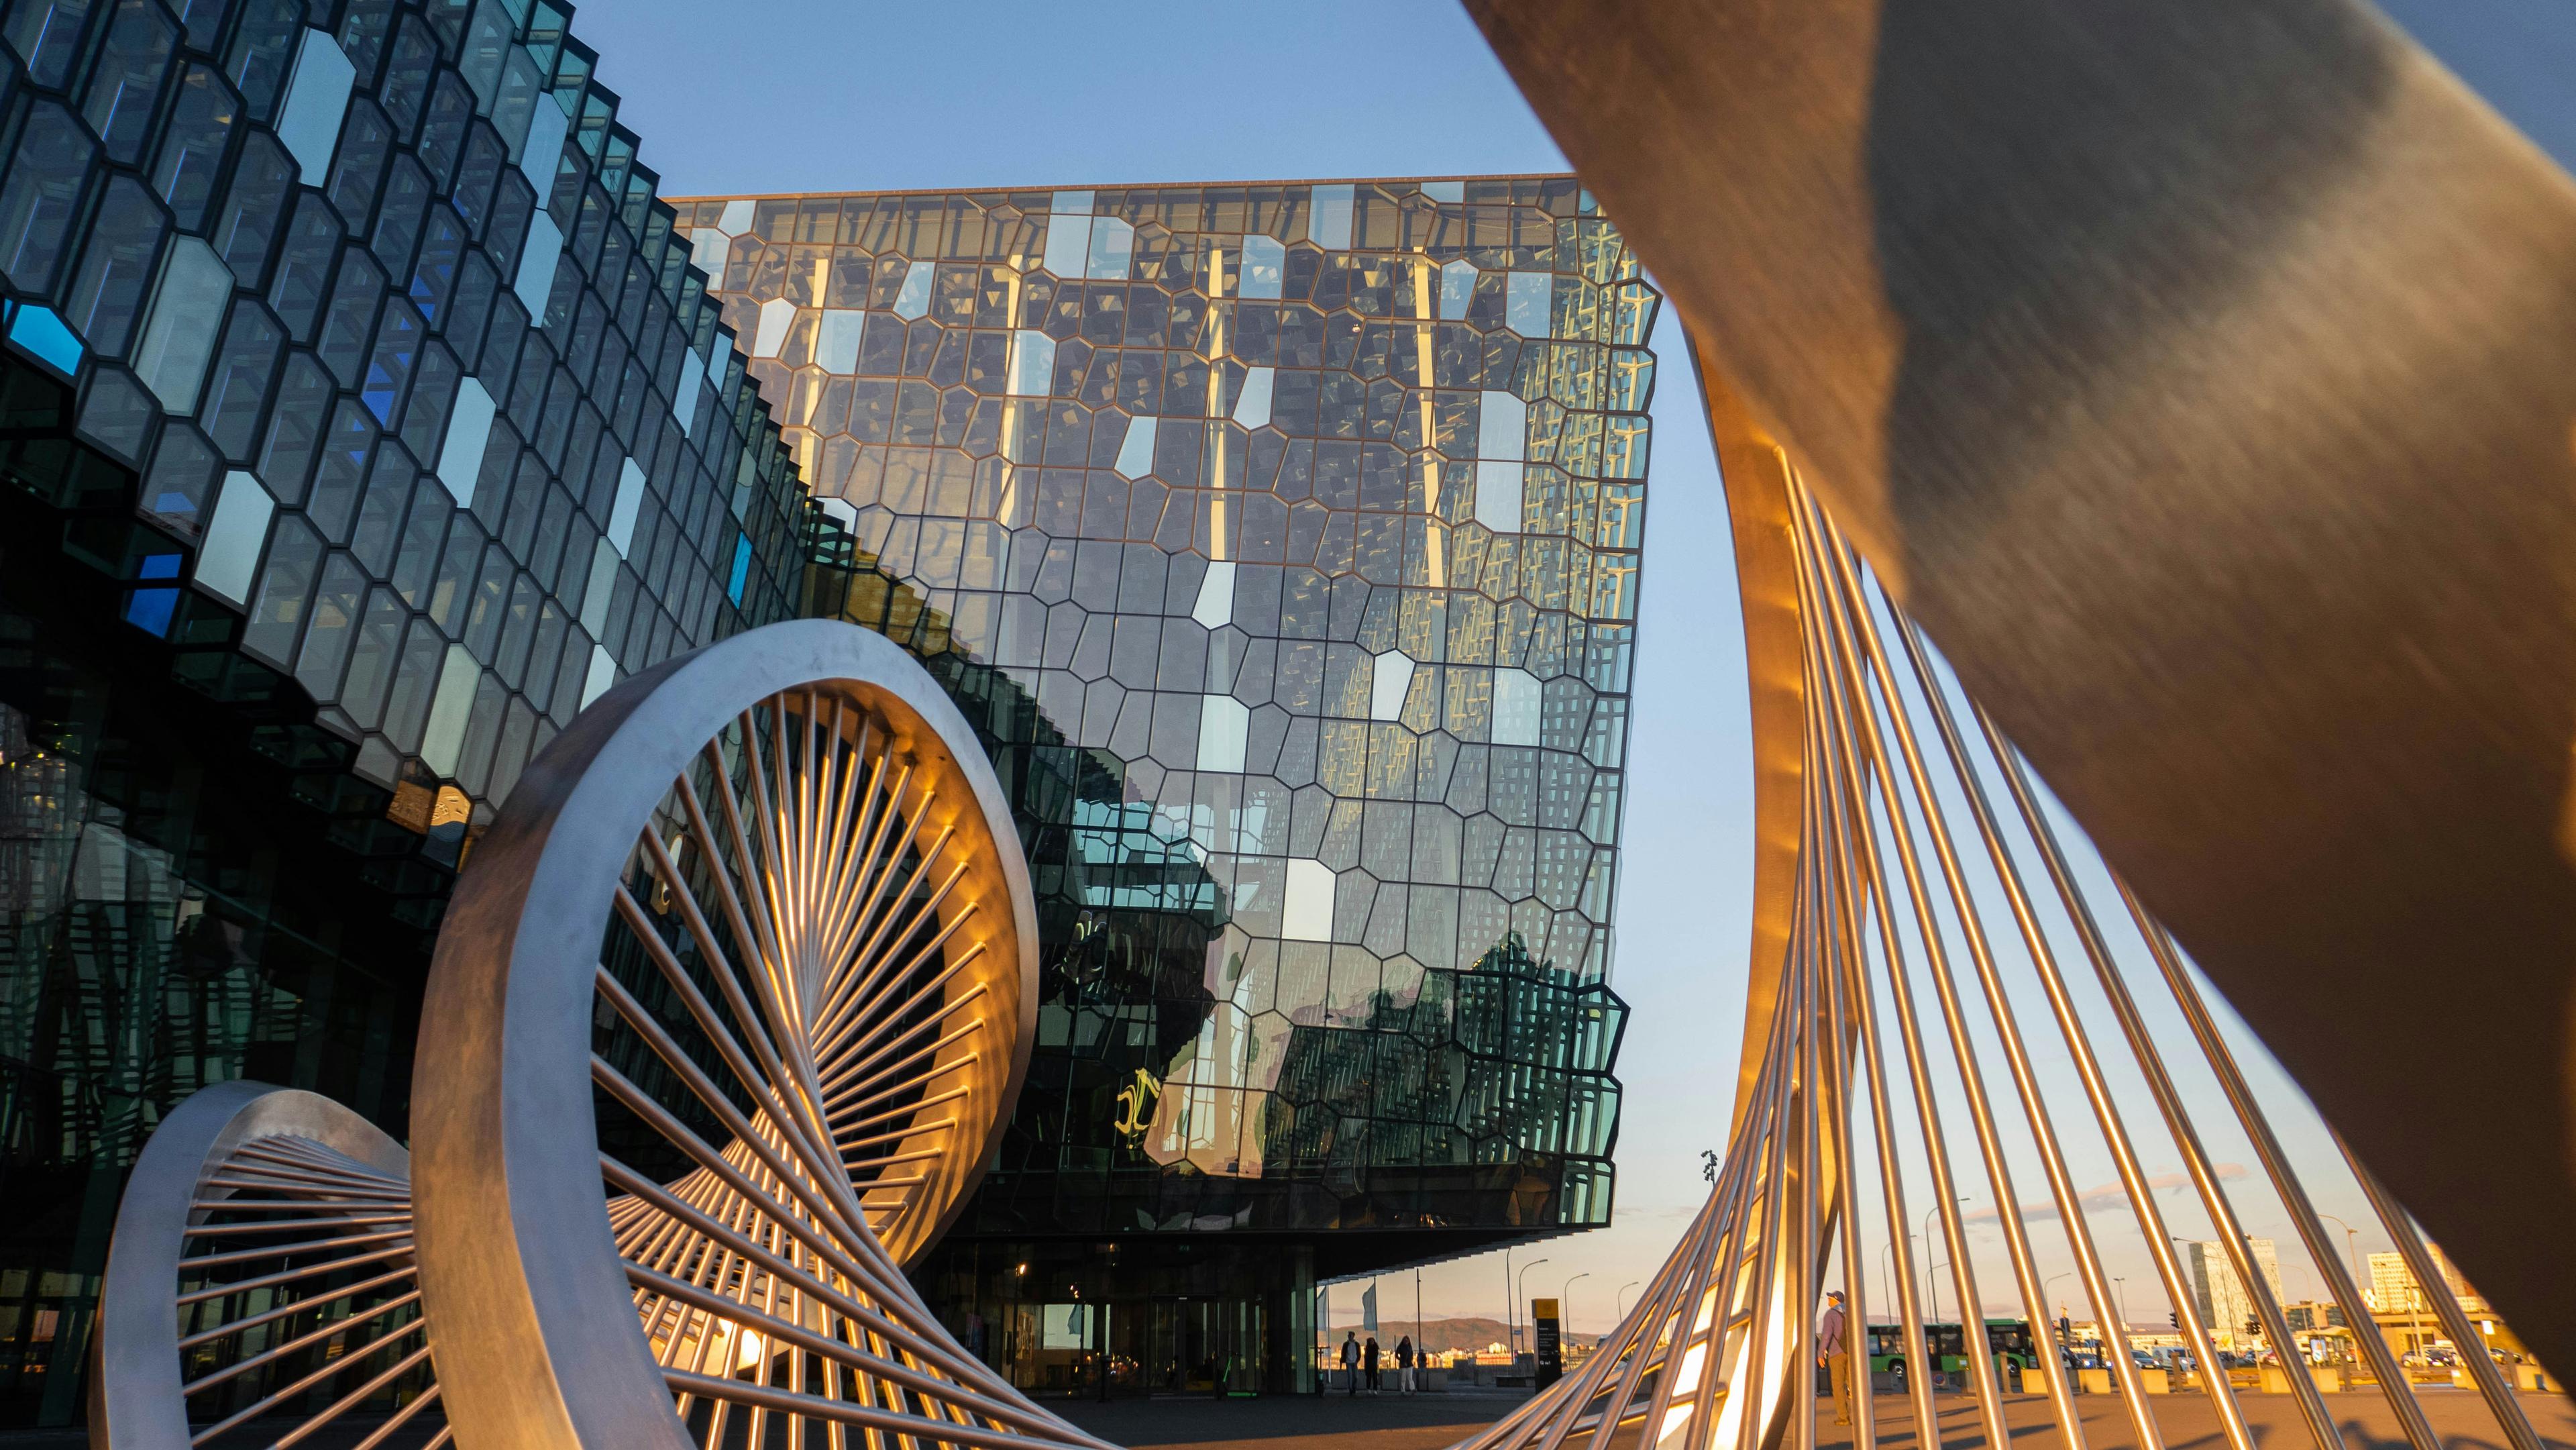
x: 1551, y: 1358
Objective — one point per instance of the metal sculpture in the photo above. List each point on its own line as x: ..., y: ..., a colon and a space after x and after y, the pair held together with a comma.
x: 2198, y: 374
x: 721, y: 1021
x: 262, y: 1266
x: 1913, y: 895
x: 807, y: 999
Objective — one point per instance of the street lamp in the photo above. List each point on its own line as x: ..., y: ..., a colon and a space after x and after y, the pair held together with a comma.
x: 1522, y: 1288
x: 2120, y: 1291
x: 1623, y: 1298
x: 2352, y: 1249
x: 1511, y: 1315
x: 2054, y: 1331
x: 1934, y: 1283
x: 1564, y: 1318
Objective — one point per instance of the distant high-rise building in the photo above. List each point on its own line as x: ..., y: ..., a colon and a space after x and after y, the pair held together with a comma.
x: 2311, y: 1316
x: 2220, y: 1295
x: 2393, y: 1286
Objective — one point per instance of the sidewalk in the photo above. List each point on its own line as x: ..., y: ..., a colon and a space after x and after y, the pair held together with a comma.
x: 1294, y: 1422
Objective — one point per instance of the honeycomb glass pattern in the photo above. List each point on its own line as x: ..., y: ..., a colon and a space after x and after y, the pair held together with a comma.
x: 1288, y: 535
x: 361, y: 417
x: 410, y: 358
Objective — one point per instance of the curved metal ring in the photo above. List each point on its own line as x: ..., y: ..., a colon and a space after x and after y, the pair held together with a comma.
x: 758, y: 924
x: 300, y: 1212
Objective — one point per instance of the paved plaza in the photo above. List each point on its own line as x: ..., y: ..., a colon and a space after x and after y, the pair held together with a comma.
x: 1428, y: 1422
x: 2187, y: 1422
x: 1286, y: 1422
x: 1434, y: 1421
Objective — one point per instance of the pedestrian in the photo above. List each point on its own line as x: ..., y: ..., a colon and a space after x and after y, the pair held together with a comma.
x: 1404, y: 1363
x: 1351, y: 1361
x: 1833, y: 1351
x: 1368, y: 1355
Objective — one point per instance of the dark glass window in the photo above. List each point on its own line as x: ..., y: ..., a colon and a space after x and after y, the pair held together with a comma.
x: 451, y: 110
x: 484, y: 159
x: 485, y: 614
x: 476, y: 287
x: 422, y: 535
x: 340, y: 474
x: 41, y: 194
x: 183, y: 477
x: 363, y: 28
x: 407, y: 80
x: 264, y: 52
x: 398, y: 225
x: 285, y: 592
x: 46, y: 34
x: 452, y: 590
x: 192, y: 149
x: 433, y: 280
x: 238, y: 385
x: 262, y: 180
x: 380, y: 518
x: 295, y: 429
x: 372, y: 658
x: 304, y: 268
x: 424, y: 423
x: 355, y: 298
x: 366, y: 140
x: 127, y: 78
x: 398, y: 339
x: 415, y: 678
x: 115, y: 272
x: 332, y: 628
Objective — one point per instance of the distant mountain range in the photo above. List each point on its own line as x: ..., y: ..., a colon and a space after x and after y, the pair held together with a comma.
x: 1439, y: 1336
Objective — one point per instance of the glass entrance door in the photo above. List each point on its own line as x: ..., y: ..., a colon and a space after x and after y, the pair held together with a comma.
x: 1208, y: 1346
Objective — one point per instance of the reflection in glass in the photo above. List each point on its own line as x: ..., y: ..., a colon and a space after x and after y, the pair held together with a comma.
x: 187, y: 315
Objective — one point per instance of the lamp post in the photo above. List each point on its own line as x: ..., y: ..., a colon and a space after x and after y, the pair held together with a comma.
x: 2054, y: 1332
x: 1623, y: 1298
x: 1934, y: 1283
x: 1511, y: 1316
x: 2352, y: 1250
x: 1522, y: 1287
x: 2120, y: 1289
x: 1563, y: 1318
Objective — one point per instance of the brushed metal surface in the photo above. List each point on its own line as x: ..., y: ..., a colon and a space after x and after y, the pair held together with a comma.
x: 2199, y: 375
x: 135, y: 1399
x: 514, y: 1236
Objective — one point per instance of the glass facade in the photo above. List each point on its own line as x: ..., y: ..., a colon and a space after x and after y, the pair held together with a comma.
x: 361, y: 417
x: 1283, y: 540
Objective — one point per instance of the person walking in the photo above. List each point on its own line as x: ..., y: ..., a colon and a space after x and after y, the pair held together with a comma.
x: 1404, y: 1363
x: 1833, y: 1351
x: 1351, y: 1361
x: 1368, y: 1355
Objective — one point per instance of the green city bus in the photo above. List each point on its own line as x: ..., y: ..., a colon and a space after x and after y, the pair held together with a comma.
x: 2015, y: 1349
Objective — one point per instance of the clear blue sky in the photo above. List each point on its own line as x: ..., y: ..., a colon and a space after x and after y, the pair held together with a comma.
x: 836, y: 95
x: 753, y: 96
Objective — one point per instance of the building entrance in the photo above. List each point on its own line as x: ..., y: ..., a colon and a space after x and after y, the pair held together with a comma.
x: 1159, y: 1346
x: 1207, y: 1346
